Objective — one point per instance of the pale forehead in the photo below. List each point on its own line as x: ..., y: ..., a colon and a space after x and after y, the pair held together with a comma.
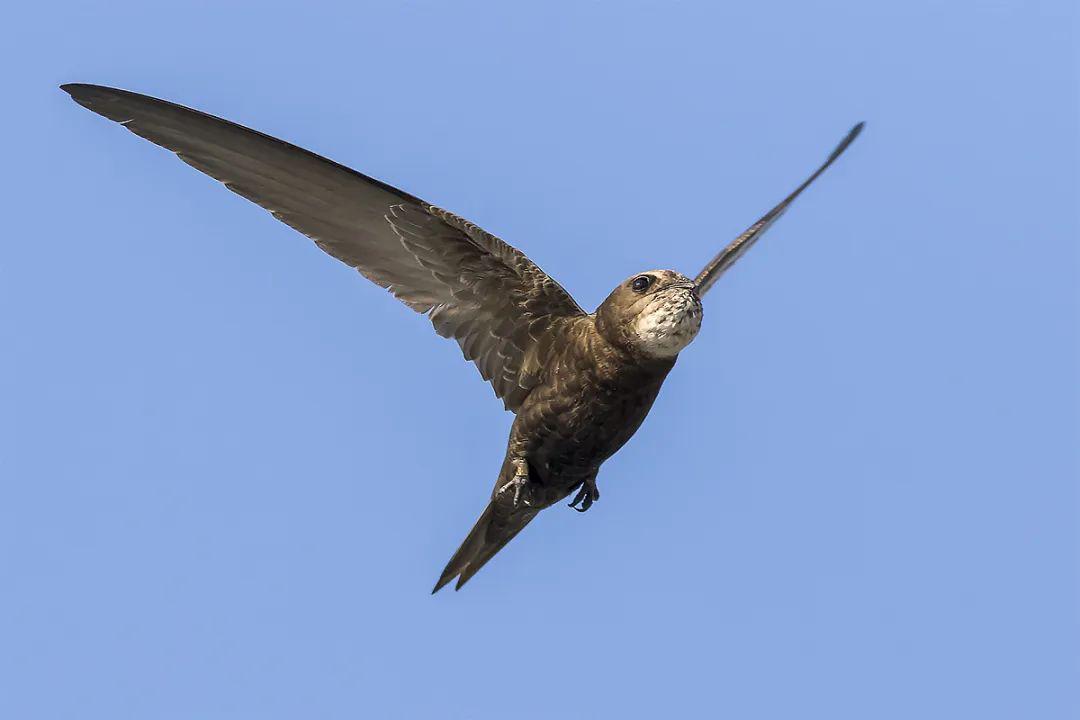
x: 664, y: 275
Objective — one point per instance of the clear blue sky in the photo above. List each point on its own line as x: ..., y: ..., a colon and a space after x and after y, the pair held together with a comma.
x: 231, y: 469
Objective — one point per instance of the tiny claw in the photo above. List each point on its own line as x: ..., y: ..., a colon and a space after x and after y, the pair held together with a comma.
x: 520, y: 483
x: 586, y: 496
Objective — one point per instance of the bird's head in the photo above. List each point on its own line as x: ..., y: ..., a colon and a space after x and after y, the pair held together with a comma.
x: 655, y: 314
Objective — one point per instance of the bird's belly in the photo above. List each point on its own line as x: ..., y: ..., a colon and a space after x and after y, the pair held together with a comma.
x: 570, y: 437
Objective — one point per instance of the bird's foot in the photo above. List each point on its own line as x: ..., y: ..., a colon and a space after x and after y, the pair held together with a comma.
x: 586, y: 495
x: 519, y: 482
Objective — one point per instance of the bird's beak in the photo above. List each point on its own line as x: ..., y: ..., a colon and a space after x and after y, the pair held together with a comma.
x: 685, y: 286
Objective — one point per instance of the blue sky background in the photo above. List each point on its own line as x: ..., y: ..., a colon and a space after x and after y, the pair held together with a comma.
x: 231, y: 469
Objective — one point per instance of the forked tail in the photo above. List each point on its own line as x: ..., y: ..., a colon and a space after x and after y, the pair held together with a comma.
x: 497, y: 526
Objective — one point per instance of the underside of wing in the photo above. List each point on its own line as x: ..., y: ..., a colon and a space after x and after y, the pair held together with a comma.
x: 499, y: 306
x: 738, y: 247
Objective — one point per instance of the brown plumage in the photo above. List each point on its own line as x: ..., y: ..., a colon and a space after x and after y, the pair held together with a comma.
x: 580, y: 384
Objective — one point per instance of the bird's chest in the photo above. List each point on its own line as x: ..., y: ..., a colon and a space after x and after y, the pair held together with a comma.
x: 582, y: 417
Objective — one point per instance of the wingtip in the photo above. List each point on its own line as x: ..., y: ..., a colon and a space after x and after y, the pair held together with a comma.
x: 75, y: 88
x: 83, y: 93
x: 852, y: 134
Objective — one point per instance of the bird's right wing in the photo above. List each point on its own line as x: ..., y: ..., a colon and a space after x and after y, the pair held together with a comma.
x: 501, y: 308
x: 737, y: 247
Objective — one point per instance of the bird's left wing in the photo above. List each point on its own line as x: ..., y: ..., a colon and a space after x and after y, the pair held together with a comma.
x: 500, y: 307
x: 737, y: 247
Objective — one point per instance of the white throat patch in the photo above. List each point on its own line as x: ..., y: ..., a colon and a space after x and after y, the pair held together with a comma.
x: 668, y: 323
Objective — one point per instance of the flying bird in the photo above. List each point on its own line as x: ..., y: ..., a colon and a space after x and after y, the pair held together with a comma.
x: 580, y: 384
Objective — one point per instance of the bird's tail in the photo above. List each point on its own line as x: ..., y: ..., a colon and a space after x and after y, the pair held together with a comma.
x: 497, y: 526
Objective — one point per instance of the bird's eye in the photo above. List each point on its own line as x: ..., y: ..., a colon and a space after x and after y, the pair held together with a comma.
x: 641, y: 283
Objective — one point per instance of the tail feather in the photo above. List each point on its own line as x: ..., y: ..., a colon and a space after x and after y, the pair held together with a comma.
x: 491, y: 532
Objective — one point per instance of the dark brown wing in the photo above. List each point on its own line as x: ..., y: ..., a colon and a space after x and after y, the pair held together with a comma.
x: 475, y: 288
x: 735, y: 249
